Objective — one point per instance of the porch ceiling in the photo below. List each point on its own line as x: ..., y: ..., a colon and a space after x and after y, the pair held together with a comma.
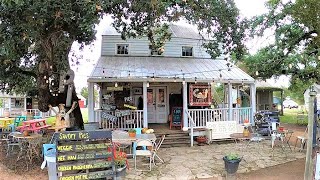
x: 166, y: 69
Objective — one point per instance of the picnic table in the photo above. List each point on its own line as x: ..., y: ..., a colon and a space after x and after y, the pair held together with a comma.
x: 5, y: 122
x: 35, y: 125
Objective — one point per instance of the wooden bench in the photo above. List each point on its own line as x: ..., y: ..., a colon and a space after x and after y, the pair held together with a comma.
x: 221, y: 130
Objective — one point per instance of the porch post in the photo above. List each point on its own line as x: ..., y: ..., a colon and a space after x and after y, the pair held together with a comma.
x: 185, y: 105
x: 25, y: 103
x: 145, y: 105
x: 252, y: 101
x: 230, y: 101
x: 9, y: 103
x: 91, y: 102
x: 100, y: 97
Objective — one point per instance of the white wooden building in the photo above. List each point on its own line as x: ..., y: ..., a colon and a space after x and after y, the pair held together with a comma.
x: 129, y: 76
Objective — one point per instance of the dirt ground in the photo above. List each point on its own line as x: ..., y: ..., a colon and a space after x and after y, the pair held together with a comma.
x: 291, y: 171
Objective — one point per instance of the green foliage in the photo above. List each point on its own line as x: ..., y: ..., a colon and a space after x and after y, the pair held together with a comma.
x: 132, y: 131
x: 232, y: 156
x: 84, y: 92
x: 295, y: 50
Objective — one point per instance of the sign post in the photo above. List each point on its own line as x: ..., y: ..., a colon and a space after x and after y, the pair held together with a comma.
x: 308, y: 165
x: 84, y: 155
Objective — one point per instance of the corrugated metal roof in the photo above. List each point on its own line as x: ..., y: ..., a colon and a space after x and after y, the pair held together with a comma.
x: 130, y: 67
x: 264, y: 85
x: 178, y: 31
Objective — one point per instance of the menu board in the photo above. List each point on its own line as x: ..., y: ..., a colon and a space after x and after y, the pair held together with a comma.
x: 177, y: 116
x: 84, y: 154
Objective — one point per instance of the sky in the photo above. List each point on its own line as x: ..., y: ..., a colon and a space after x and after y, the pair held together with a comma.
x: 248, y: 8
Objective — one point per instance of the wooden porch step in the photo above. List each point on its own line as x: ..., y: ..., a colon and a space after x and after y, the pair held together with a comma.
x: 183, y: 143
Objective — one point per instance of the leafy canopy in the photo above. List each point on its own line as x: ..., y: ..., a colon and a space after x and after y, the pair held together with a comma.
x: 295, y: 50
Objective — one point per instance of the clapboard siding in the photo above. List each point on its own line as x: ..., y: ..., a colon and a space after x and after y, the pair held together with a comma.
x: 140, y: 46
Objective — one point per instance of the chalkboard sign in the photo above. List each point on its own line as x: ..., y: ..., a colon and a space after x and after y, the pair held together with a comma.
x: 84, y: 155
x: 176, y: 116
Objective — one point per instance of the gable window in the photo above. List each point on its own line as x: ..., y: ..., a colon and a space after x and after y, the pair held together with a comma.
x: 122, y: 48
x: 187, y: 51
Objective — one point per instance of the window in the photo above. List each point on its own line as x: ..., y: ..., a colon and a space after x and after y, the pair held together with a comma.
x: 122, y: 48
x: 187, y: 51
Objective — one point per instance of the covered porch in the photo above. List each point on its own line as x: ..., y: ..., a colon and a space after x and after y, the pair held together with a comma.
x: 137, y: 91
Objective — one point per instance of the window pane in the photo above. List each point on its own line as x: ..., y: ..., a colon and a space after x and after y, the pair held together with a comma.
x: 186, y: 51
x: 123, y: 49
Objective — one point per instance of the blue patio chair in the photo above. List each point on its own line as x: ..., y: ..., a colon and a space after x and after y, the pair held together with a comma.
x: 17, y: 122
x: 138, y: 131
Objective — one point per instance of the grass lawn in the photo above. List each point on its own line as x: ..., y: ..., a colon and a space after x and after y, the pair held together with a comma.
x: 84, y: 112
x: 290, y: 116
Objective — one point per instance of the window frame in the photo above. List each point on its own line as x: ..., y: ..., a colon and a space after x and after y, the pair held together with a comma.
x: 122, y: 44
x: 192, y: 51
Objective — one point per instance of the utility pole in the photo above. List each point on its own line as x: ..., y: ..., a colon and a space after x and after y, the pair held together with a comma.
x: 308, y: 166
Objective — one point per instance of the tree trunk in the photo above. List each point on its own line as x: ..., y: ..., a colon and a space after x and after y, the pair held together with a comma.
x: 45, y: 98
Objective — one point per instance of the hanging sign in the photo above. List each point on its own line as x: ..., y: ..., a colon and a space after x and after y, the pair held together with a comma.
x: 108, y: 107
x: 108, y: 116
x: 120, y: 113
x: 129, y: 106
x: 128, y: 99
x: 119, y: 88
x: 200, y: 95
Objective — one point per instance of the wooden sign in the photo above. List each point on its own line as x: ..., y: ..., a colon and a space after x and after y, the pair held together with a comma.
x: 81, y: 176
x: 177, y: 116
x: 86, y: 151
x: 108, y: 107
x: 119, y: 88
x: 130, y: 107
x: 128, y: 99
x: 108, y: 116
x: 120, y: 113
x: 199, y: 95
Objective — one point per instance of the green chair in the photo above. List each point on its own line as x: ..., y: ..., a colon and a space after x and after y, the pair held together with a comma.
x: 17, y: 122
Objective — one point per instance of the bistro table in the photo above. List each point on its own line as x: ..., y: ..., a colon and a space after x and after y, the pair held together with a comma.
x: 124, y: 137
x: 31, y: 145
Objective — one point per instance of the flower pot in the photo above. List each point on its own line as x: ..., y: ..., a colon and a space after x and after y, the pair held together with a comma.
x: 25, y: 133
x: 231, y: 166
x: 121, y: 171
x: 201, y: 139
x: 132, y: 134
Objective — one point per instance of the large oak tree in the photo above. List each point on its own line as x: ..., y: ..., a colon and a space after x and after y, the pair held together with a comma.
x: 36, y: 36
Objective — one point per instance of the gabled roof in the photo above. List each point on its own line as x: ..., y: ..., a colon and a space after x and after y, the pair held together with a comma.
x: 178, y: 31
x: 166, y: 69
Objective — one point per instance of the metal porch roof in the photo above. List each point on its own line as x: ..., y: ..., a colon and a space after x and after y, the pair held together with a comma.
x: 166, y: 69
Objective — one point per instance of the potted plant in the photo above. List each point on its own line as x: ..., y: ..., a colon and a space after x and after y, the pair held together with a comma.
x: 132, y: 133
x: 231, y: 162
x: 120, y: 160
x: 201, y: 139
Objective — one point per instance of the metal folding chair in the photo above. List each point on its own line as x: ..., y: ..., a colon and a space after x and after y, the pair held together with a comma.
x: 146, y: 153
x: 157, y: 147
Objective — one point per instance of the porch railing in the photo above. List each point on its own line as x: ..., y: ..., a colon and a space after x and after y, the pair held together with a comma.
x: 202, y: 116
x: 134, y: 120
x: 37, y: 112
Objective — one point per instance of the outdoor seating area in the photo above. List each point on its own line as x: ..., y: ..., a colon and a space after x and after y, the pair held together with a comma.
x: 206, y: 161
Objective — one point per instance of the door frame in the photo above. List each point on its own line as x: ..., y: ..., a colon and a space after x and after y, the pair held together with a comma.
x: 166, y: 86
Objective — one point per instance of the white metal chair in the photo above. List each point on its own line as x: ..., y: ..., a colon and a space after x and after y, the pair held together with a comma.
x: 146, y: 153
x: 302, y: 139
x: 157, y: 147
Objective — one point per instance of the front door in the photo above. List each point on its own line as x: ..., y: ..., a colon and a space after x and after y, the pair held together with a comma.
x: 157, y: 104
